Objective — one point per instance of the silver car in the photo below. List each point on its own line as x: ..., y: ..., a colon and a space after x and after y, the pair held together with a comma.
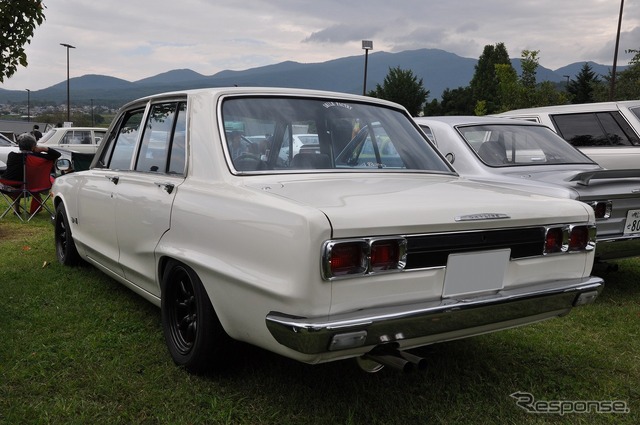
x: 532, y: 157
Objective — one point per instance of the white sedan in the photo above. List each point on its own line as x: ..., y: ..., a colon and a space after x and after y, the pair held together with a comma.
x: 84, y: 140
x: 362, y: 248
x: 7, y: 146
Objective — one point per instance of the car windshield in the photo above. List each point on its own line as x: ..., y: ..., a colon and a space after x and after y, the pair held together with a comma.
x: 505, y: 145
x: 269, y: 134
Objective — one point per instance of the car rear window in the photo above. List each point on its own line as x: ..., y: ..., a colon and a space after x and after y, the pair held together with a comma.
x: 276, y: 134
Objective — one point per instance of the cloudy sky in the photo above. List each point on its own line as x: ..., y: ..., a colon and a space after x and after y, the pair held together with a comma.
x: 135, y: 39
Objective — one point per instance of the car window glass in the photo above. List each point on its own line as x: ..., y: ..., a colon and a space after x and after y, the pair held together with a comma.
x: 293, y: 134
x: 155, y: 140
x: 581, y: 129
x: 98, y: 136
x: 123, y: 145
x: 510, y: 145
x: 636, y: 112
x: 617, y: 129
x: 178, y: 144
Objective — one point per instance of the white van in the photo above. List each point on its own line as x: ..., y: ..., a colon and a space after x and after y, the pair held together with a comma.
x: 608, y: 132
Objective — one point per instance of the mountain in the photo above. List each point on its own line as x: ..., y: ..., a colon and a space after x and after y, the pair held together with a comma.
x: 438, y: 69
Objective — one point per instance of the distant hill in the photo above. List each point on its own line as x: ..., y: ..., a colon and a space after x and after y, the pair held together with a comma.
x: 438, y: 69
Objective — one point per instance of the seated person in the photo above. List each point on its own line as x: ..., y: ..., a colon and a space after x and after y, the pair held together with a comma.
x: 236, y: 147
x: 15, y: 163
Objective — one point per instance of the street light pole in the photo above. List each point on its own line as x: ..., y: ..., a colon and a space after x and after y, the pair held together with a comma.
x: 612, y: 91
x: 366, y: 46
x: 28, y: 105
x: 68, y: 46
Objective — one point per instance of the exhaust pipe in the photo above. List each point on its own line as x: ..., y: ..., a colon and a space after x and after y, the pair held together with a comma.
x: 419, y: 362
x: 390, y: 360
x: 396, y: 359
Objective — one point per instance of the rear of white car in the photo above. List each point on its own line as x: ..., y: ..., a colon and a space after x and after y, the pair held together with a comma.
x: 367, y: 245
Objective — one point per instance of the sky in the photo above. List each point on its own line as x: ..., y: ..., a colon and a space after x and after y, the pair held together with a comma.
x: 136, y: 39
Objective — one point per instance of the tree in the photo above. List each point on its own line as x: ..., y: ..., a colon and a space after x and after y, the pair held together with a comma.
x: 454, y: 102
x: 403, y: 87
x: 18, y: 21
x: 484, y: 84
x: 628, y: 81
x: 582, y: 88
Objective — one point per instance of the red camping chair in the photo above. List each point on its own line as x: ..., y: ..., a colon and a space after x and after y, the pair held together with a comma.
x: 37, y: 180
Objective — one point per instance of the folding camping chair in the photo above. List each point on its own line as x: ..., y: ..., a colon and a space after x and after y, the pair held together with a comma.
x: 37, y: 181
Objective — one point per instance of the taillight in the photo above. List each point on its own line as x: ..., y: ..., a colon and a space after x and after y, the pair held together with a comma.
x: 581, y: 238
x: 348, y: 258
x: 571, y: 238
x: 554, y: 240
x: 387, y: 254
x: 359, y: 257
x: 602, y: 209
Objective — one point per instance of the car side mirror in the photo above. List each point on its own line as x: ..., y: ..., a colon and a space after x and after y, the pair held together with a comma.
x: 64, y: 165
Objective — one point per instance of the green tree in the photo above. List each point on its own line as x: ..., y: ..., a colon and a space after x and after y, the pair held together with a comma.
x: 628, y: 81
x: 484, y: 84
x: 18, y: 21
x: 529, y: 63
x: 582, y: 88
x: 403, y: 87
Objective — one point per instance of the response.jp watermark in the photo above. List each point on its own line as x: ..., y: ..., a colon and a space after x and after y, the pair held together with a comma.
x: 527, y: 402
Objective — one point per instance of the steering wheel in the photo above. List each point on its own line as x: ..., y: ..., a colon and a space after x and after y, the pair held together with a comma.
x: 247, y: 162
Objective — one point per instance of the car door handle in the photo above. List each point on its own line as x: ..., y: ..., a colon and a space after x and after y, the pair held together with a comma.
x: 168, y: 187
x: 113, y: 179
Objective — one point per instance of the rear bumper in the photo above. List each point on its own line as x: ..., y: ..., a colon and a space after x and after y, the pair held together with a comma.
x: 611, y: 248
x: 425, y: 323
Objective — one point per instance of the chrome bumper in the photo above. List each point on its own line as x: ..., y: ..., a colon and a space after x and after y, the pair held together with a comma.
x: 613, y: 248
x: 433, y: 321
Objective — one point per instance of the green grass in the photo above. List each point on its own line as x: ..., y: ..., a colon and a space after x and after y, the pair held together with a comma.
x: 76, y: 347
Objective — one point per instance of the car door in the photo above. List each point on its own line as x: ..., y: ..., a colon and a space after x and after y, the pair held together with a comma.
x: 98, y: 192
x: 145, y: 195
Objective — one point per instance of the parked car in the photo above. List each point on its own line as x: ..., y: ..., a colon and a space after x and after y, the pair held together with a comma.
x: 365, y: 249
x: 608, y: 132
x: 75, y: 139
x: 530, y: 156
x: 7, y: 146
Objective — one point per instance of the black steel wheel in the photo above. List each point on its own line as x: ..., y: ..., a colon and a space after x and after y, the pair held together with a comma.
x: 191, y: 328
x: 65, y: 247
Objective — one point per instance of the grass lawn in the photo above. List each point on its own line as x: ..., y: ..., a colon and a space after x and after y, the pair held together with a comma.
x: 76, y: 347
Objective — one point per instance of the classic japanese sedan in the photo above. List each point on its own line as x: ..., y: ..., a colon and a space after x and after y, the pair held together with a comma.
x: 533, y: 157
x: 84, y: 140
x: 365, y: 246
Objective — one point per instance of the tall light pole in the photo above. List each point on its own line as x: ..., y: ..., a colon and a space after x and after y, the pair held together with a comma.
x: 612, y: 91
x: 366, y: 46
x: 68, y: 46
x: 28, y: 105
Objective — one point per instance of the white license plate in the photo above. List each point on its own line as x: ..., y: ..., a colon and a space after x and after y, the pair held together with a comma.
x: 475, y: 272
x: 632, y: 225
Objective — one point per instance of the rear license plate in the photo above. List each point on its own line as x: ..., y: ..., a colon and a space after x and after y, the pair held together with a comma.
x: 475, y: 272
x: 632, y: 225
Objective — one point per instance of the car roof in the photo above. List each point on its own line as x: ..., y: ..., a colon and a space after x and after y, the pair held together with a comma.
x: 79, y: 128
x: 455, y: 120
x: 578, y: 107
x: 284, y: 91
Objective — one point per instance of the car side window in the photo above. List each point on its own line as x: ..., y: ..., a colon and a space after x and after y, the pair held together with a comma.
x: 594, y: 129
x: 120, y: 151
x: 178, y: 144
x: 154, y: 148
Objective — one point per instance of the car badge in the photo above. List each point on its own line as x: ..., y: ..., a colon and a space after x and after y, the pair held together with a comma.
x: 482, y: 216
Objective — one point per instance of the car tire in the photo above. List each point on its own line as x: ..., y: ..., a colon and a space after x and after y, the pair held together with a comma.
x: 192, y: 331
x: 65, y: 246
